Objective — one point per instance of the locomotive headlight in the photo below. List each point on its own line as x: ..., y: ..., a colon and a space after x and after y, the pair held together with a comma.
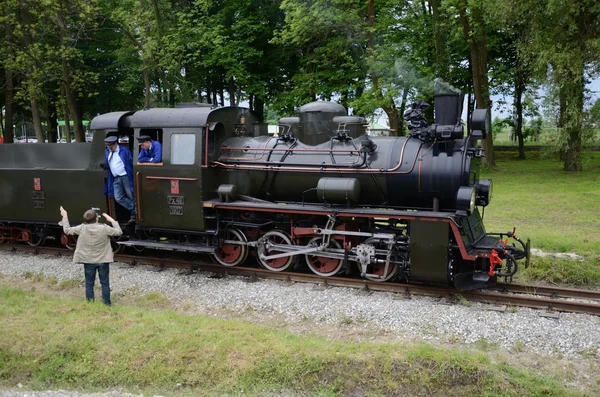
x: 484, y: 192
x: 465, y: 200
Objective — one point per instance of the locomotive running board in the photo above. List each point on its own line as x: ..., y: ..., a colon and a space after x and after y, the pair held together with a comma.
x: 169, y: 246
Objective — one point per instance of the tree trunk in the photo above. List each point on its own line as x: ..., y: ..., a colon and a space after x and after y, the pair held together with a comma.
x: 37, y: 121
x: 562, y: 111
x: 389, y: 108
x: 469, y: 113
x: 401, y: 122
x: 259, y: 108
x: 221, y: 91
x: 28, y: 40
x: 392, y: 114
x: 440, y: 34
x: 52, y: 123
x: 208, y: 94
x: 8, y: 107
x: 231, y: 91
x: 575, y: 87
x: 72, y: 103
x: 519, y: 88
x: 474, y: 31
x: 146, y: 76
x: 65, y: 109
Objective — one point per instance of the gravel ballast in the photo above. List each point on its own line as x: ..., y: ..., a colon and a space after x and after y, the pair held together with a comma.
x: 419, y: 318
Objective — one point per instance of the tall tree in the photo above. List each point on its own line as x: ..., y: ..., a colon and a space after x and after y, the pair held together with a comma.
x: 473, y: 20
x: 330, y: 43
x: 8, y: 20
x: 567, y: 41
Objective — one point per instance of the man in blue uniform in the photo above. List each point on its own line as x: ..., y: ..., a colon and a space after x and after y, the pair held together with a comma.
x: 150, y: 150
x: 119, y: 162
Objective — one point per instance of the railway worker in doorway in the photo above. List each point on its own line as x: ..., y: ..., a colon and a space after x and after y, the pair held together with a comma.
x: 150, y: 150
x: 93, y: 249
x: 119, y: 161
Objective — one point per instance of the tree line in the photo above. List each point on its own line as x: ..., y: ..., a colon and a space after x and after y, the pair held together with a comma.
x: 73, y: 59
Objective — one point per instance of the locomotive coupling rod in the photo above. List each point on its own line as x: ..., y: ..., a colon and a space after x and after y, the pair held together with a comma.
x: 291, y: 251
x: 238, y: 242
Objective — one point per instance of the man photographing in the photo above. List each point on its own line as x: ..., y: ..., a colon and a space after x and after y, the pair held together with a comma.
x: 93, y: 249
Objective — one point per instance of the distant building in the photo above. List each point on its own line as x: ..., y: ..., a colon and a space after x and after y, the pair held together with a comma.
x: 376, y: 129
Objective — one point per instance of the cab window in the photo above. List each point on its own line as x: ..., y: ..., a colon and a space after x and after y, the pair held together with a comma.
x: 183, y: 149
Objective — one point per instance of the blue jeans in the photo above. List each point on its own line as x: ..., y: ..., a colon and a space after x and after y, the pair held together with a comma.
x: 123, y: 193
x: 90, y: 278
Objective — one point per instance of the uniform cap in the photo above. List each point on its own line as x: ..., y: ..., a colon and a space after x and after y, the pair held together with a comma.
x: 144, y: 138
x: 110, y: 140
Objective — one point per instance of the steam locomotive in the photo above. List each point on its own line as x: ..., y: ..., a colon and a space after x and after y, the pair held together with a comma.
x: 321, y: 194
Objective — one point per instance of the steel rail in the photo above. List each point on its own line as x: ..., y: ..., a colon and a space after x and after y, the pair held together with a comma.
x: 504, y: 294
x: 554, y: 292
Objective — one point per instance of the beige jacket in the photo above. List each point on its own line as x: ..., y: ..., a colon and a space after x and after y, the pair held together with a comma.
x: 93, y: 244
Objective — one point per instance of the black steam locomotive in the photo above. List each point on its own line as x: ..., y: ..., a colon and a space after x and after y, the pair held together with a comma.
x: 322, y: 193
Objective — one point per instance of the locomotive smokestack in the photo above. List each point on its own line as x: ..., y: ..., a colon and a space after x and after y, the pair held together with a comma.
x: 448, y: 103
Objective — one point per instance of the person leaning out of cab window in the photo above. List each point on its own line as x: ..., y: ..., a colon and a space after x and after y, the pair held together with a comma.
x: 150, y: 150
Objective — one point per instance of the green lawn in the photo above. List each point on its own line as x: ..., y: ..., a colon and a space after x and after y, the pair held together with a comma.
x: 557, y: 210
x: 547, y: 134
x: 50, y: 342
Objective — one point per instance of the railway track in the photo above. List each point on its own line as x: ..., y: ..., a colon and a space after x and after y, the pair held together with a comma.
x: 549, y: 299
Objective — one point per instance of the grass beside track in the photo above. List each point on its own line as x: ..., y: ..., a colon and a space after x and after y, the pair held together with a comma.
x: 557, y: 210
x: 49, y: 342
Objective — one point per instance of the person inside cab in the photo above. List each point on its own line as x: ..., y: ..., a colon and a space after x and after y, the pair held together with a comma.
x: 150, y: 150
x: 119, y: 164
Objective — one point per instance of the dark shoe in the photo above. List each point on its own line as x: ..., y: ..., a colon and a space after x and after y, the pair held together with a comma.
x: 131, y: 221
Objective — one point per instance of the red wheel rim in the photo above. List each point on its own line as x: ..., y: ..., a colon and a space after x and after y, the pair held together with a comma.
x: 321, y: 265
x: 230, y: 253
x: 279, y: 262
x: 379, y: 269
